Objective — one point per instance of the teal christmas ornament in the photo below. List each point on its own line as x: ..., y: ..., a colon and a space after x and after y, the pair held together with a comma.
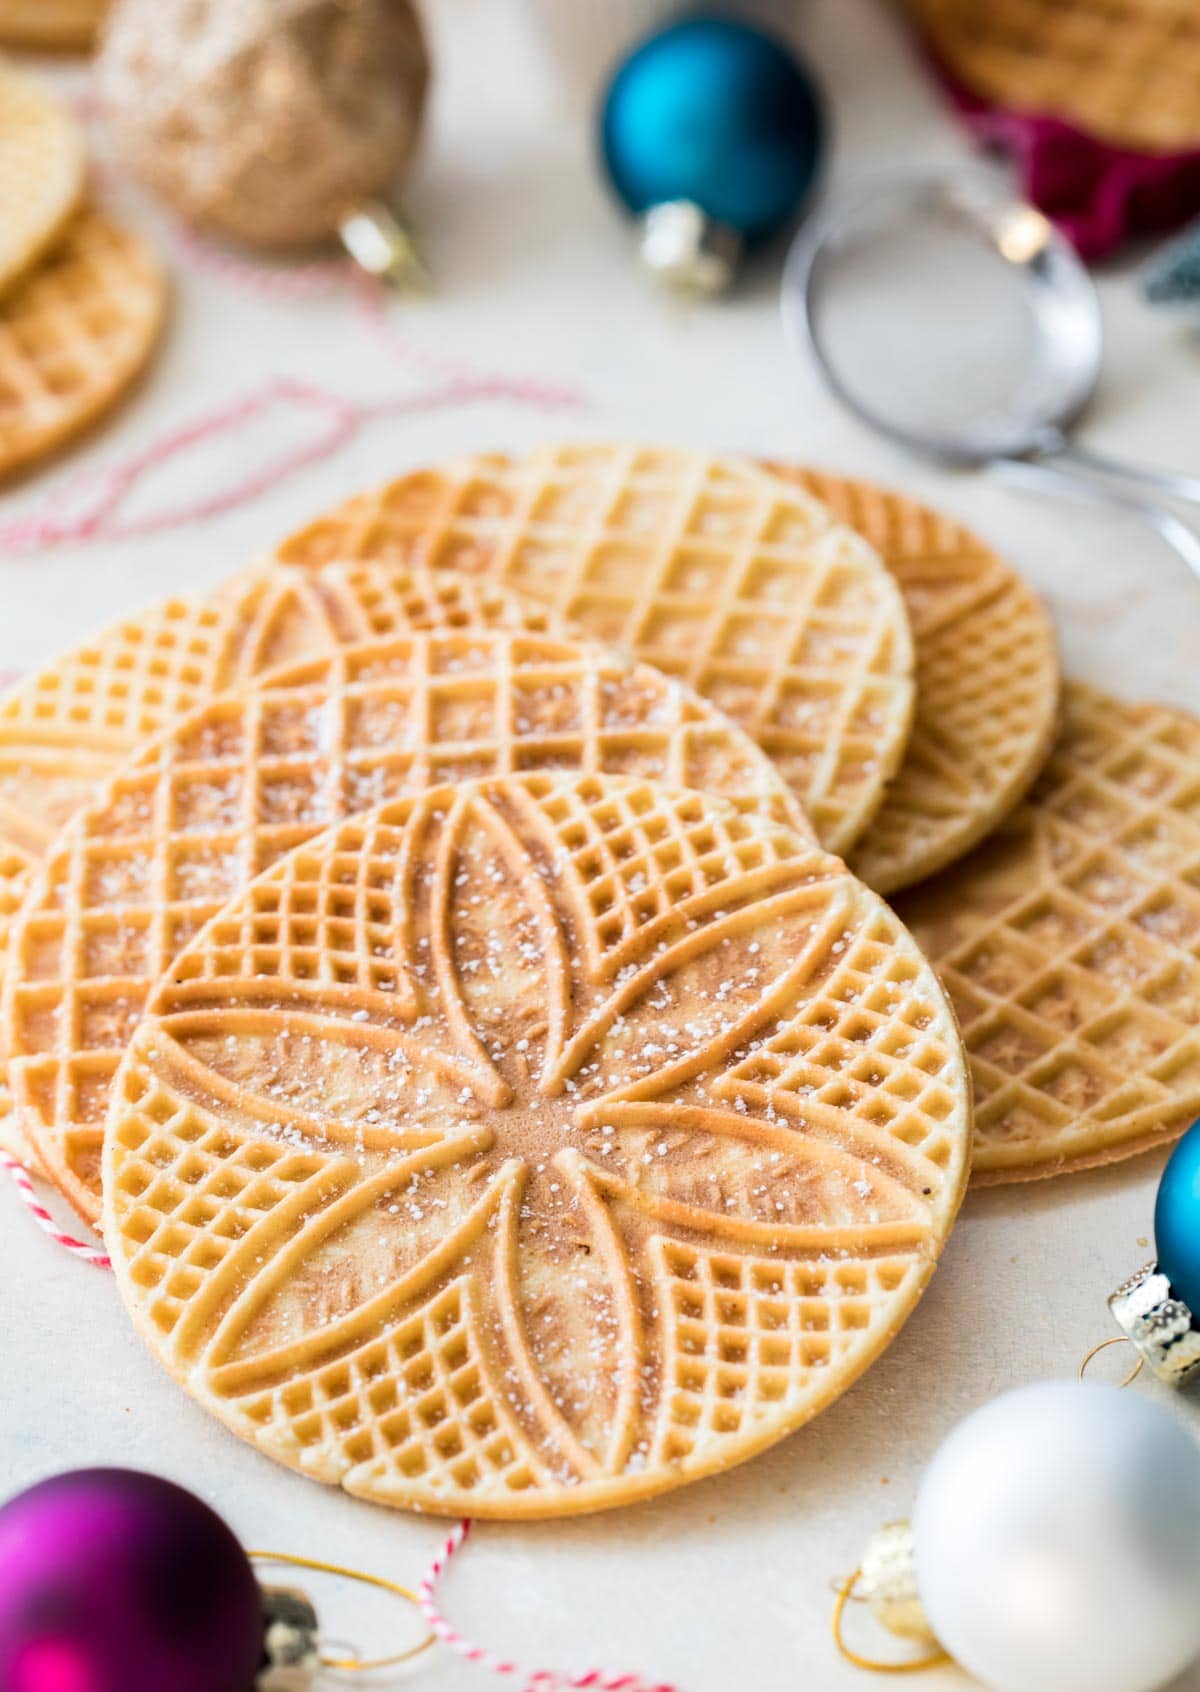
x: 1158, y: 1307
x: 712, y: 134
x: 1177, y: 1220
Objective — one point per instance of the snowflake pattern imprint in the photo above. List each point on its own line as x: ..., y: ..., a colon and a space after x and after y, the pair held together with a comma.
x: 535, y: 1145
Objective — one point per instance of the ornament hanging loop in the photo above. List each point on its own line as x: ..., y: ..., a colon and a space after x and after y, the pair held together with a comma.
x: 294, y: 1648
x: 847, y: 1594
x: 1103, y: 1345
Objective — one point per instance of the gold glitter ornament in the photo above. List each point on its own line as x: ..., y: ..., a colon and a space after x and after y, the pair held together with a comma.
x: 272, y: 123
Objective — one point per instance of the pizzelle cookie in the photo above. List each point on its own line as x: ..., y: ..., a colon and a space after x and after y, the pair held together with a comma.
x: 535, y: 1146
x: 987, y: 682
x: 42, y: 169
x: 75, y: 334
x: 12, y: 1140
x: 65, y: 727
x: 1126, y: 71
x: 242, y: 780
x: 68, y: 726
x: 1070, y: 946
x: 58, y: 25
x: 709, y: 568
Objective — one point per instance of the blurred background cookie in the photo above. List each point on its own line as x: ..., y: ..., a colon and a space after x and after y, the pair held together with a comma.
x: 42, y: 171
x: 74, y: 336
x: 59, y: 25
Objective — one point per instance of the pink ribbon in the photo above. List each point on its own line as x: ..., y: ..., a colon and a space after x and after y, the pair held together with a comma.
x: 95, y: 502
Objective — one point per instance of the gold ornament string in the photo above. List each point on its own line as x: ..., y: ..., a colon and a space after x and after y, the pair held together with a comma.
x: 353, y: 1665
x: 845, y: 1593
x: 1117, y: 1339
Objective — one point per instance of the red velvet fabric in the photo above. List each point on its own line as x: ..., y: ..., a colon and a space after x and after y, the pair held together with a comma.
x: 1098, y: 194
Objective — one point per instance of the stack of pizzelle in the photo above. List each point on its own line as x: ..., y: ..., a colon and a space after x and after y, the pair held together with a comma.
x: 433, y: 959
x: 51, y: 25
x: 82, y: 299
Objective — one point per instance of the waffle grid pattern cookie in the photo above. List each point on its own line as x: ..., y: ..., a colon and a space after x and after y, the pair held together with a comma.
x: 710, y: 569
x: 987, y: 682
x: 1070, y: 946
x: 70, y: 725
x: 74, y: 336
x: 534, y: 1147
x: 255, y: 773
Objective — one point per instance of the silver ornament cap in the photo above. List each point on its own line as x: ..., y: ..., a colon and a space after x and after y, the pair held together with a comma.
x: 291, y: 1641
x: 688, y: 251
x: 1159, y: 1325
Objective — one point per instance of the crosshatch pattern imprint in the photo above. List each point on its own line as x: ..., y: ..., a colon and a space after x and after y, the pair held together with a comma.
x: 169, y: 839
x: 718, y: 573
x: 71, y: 724
x: 1124, y: 70
x: 1070, y: 946
x: 987, y: 682
x: 536, y: 1145
x: 74, y: 336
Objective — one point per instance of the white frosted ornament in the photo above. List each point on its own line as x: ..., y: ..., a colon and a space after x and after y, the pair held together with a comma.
x: 269, y: 122
x: 1056, y: 1541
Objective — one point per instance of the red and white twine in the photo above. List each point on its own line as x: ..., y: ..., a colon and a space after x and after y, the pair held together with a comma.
x: 23, y: 1182
x: 530, y: 1679
x: 338, y: 419
x: 93, y: 504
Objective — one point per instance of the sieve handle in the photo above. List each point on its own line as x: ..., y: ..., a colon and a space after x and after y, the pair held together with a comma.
x: 1169, y: 482
x: 1045, y: 475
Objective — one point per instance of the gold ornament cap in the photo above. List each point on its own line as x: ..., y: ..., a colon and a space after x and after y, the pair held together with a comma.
x: 889, y: 1583
x: 380, y: 244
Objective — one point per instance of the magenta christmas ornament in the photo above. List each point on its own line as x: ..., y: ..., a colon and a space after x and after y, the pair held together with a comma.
x: 113, y: 1581
x: 116, y: 1581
